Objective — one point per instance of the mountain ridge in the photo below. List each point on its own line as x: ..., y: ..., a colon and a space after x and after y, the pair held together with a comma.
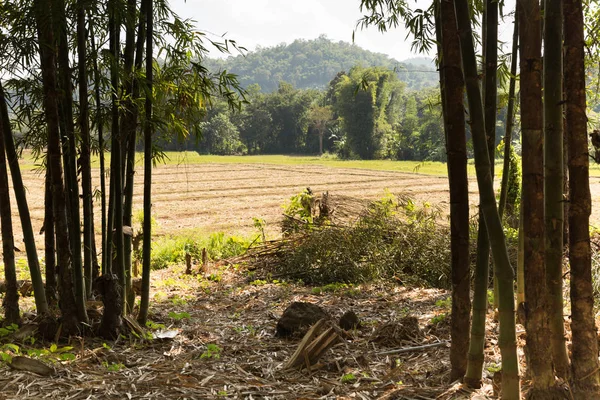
x: 312, y: 64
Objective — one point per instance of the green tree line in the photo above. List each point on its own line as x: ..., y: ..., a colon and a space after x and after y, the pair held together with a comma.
x: 363, y: 113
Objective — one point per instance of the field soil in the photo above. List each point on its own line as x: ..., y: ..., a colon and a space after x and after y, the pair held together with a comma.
x: 206, y: 198
x: 209, y: 198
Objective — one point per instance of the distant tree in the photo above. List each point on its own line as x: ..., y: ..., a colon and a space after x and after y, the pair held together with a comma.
x: 220, y: 136
x: 289, y: 110
x: 256, y: 125
x: 408, y: 131
x: 319, y: 116
x: 362, y: 98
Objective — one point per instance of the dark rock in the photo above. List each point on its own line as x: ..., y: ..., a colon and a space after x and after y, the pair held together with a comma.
x: 349, y: 321
x: 298, y: 317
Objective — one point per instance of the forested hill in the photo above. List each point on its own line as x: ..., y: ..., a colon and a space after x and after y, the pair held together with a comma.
x: 314, y: 63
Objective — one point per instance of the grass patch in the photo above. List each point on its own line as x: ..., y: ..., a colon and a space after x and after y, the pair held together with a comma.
x: 169, y: 250
x: 191, y: 158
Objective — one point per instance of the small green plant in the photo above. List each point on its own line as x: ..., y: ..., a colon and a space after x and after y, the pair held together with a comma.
x: 348, y: 378
x: 13, y: 348
x: 220, y: 246
x: 212, y: 351
x: 22, y: 268
x: 444, y: 303
x: 258, y: 282
x: 437, y: 319
x: 63, y: 353
x: 300, y: 206
x: 490, y: 296
x: 493, y: 368
x: 8, y: 330
x: 113, y: 367
x: 216, y: 277
x: 330, y: 288
x: 234, y: 316
x: 151, y: 325
x: 53, y: 353
x: 250, y: 329
x: 222, y: 393
x: 160, y: 296
x: 260, y: 224
x: 178, y: 301
x: 299, y: 213
x: 179, y: 316
x: 6, y: 357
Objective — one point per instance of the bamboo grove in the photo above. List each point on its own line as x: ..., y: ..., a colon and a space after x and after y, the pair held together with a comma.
x: 550, y: 44
x: 82, y: 78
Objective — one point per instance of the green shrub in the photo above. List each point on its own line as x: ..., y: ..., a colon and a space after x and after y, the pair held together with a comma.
x: 392, y: 237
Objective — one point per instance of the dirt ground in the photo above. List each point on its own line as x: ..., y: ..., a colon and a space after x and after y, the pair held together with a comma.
x: 225, y: 197
x: 224, y: 344
x: 225, y: 347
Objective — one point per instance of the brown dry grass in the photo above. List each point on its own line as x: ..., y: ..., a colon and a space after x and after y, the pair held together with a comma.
x: 224, y: 197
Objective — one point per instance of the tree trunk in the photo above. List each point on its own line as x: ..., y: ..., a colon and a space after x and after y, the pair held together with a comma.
x: 456, y: 146
x: 115, y: 151
x: 490, y: 87
x: 130, y: 124
x: 68, y: 307
x: 521, y: 264
x: 101, y: 146
x: 86, y: 167
x: 536, y: 322
x: 41, y: 303
x: 49, y: 252
x: 110, y: 223
x: 554, y: 181
x: 71, y: 185
x: 585, y: 378
x: 11, y: 298
x: 480, y: 306
x: 510, y: 112
x: 505, y: 273
x: 148, y: 128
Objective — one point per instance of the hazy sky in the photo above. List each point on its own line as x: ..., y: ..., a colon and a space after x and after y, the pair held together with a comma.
x: 271, y: 22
